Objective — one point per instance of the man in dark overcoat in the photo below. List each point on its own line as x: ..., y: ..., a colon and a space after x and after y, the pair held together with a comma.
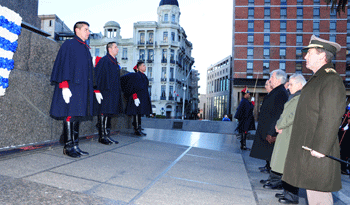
x: 270, y: 111
x: 245, y: 117
x: 317, y: 119
x: 107, y: 74
x: 72, y: 76
x: 135, y: 89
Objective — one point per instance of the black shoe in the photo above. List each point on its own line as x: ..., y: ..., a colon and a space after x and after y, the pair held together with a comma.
x: 81, y: 152
x: 261, y: 168
x: 266, y: 170
x: 137, y: 133
x: 264, y: 181
x: 287, y: 201
x: 279, y: 195
x: 70, y: 151
x: 112, y: 140
x: 271, y: 186
x: 104, y: 140
x: 244, y: 148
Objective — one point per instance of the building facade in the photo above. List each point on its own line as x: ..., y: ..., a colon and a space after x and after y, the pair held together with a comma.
x: 218, y: 89
x: 269, y: 35
x: 164, y: 48
x: 53, y: 25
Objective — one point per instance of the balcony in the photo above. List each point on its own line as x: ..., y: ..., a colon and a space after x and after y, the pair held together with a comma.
x: 140, y: 43
x: 162, y: 98
x: 163, y: 79
x: 149, y: 43
x: 172, y: 79
x: 164, y: 61
x: 172, y: 61
x: 150, y: 61
x: 171, y: 98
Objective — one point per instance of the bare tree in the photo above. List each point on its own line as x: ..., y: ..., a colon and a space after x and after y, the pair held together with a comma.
x: 337, y: 5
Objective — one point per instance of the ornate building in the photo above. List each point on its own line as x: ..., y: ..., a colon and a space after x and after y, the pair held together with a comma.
x: 164, y: 48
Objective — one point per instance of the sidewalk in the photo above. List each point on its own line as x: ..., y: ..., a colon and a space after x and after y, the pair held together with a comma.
x: 165, y: 167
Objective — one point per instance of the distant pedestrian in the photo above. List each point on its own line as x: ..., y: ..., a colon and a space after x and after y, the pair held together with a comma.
x: 107, y: 73
x: 245, y: 117
x: 316, y: 123
x: 135, y: 88
x: 226, y: 118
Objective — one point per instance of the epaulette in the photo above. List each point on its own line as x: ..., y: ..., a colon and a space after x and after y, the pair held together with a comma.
x: 330, y: 70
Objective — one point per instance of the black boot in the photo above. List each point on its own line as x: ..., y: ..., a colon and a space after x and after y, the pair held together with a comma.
x: 140, y: 130
x: 76, y: 138
x: 243, y: 141
x: 136, y: 129
x: 108, y: 130
x: 102, y: 137
x: 64, y: 135
x: 69, y: 144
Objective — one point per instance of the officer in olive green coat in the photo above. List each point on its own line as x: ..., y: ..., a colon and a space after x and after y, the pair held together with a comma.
x: 317, y: 119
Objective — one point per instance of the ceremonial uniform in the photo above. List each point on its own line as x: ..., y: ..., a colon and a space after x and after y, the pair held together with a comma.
x: 107, y: 74
x: 73, y: 69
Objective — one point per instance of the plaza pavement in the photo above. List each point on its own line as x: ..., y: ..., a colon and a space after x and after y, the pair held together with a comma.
x: 165, y: 167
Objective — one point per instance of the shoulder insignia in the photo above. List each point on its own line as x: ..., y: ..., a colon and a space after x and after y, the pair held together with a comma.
x: 330, y: 70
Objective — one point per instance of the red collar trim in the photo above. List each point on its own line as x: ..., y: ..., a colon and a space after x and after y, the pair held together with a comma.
x: 82, y: 42
x: 113, y: 60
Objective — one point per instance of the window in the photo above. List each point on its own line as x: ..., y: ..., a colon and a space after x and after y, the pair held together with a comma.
x: 300, y: 39
x: 251, y: 1
x: 172, y: 36
x: 299, y: 53
x: 142, y: 54
x: 267, y: 12
x: 171, y: 90
x: 266, y: 52
x: 163, y: 95
x: 150, y: 90
x: 283, y: 25
x: 299, y: 12
x: 332, y: 25
x: 266, y: 38
x: 267, y: 1
x: 250, y: 51
x: 316, y: 25
x: 250, y: 38
x: 332, y: 37
x: 165, y: 36
x: 171, y: 73
x: 298, y: 67
x: 163, y: 72
x: 267, y: 26
x: 125, y: 54
x: 50, y: 23
x: 149, y: 72
x: 250, y: 25
x: 150, y: 55
x: 299, y: 1
x: 164, y: 55
x: 283, y: 1
x: 299, y: 25
x: 250, y: 65
x: 172, y: 56
x: 283, y: 38
x: 250, y: 12
x: 150, y: 38
x: 166, y: 18
x: 317, y: 11
x: 283, y: 12
x: 97, y: 52
x: 316, y: 1
x: 333, y: 14
x: 282, y: 52
x: 142, y: 38
x: 283, y: 65
x: 173, y: 18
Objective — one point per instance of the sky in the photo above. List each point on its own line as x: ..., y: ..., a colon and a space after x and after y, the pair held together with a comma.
x: 207, y: 23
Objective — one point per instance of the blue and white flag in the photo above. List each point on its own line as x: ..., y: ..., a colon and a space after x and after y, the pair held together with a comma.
x: 10, y: 28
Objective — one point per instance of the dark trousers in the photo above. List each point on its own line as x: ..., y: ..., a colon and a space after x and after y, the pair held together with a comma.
x: 275, y: 178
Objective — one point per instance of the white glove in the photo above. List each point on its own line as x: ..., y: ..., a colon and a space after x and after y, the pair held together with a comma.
x: 137, y: 102
x: 66, y: 93
x: 253, y: 99
x: 99, y: 97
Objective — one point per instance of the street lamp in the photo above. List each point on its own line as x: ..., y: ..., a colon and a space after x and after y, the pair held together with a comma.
x: 184, y: 88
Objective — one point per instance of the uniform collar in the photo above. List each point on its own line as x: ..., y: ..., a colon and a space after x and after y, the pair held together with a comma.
x: 81, y: 41
x: 114, y: 60
x: 322, y: 70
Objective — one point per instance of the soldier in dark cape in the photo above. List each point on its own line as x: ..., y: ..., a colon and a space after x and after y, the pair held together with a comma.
x: 72, y: 76
x: 245, y: 117
x: 135, y: 88
x: 107, y: 72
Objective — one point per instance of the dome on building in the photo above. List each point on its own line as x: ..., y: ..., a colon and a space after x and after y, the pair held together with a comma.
x: 169, y: 2
x: 112, y: 24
